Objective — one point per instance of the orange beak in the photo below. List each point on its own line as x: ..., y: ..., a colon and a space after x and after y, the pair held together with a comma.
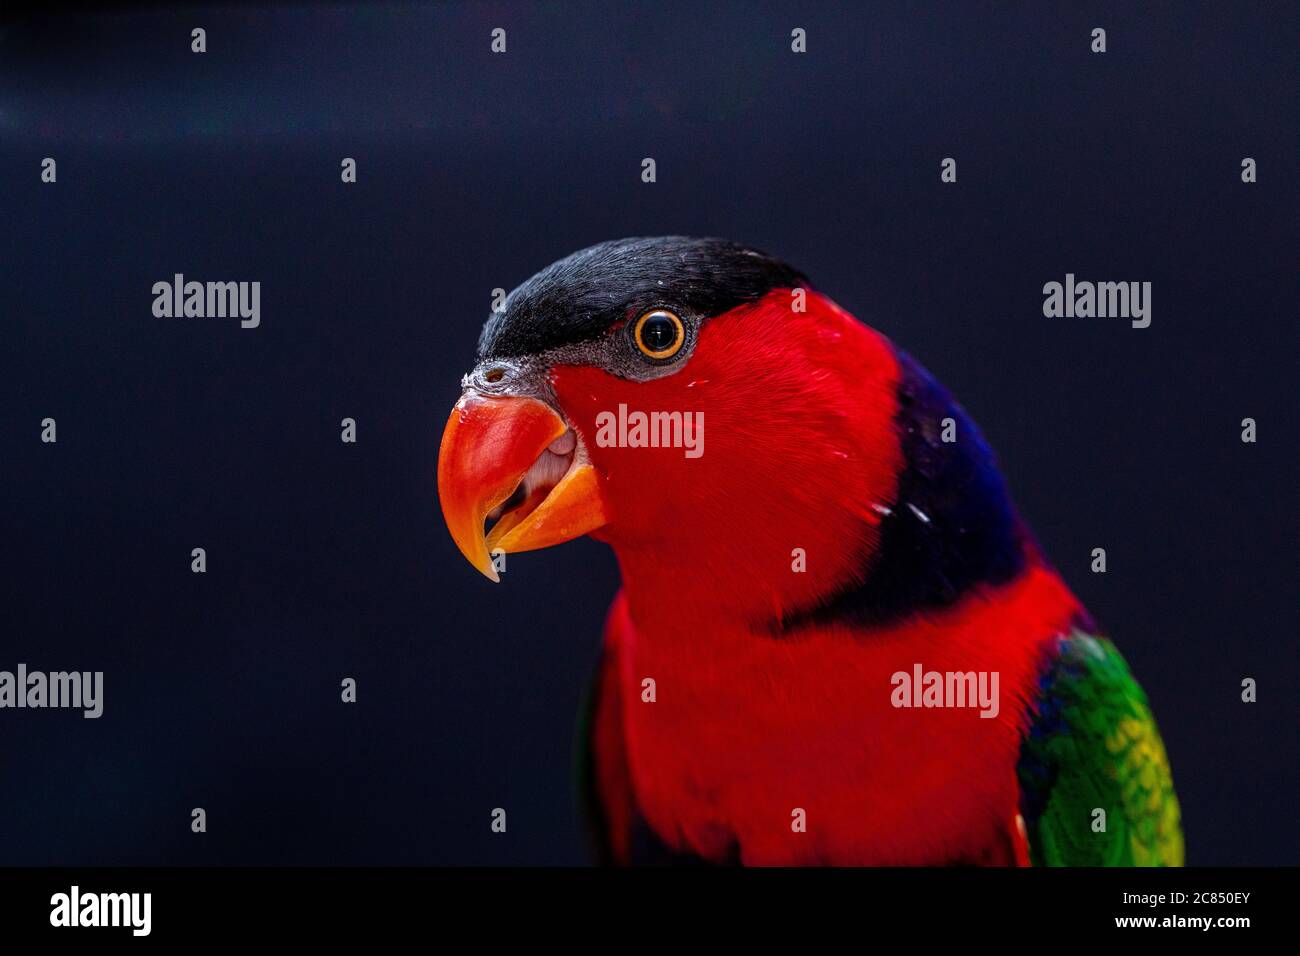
x: 515, y: 452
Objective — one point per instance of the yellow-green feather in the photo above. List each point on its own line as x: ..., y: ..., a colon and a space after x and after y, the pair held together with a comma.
x: 1094, y: 746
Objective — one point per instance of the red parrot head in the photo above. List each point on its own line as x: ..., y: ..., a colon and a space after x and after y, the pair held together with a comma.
x: 692, y: 402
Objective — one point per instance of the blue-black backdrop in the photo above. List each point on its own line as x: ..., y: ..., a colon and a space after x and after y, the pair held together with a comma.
x: 328, y: 560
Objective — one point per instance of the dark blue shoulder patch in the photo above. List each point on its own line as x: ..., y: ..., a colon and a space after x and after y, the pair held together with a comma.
x: 952, y: 527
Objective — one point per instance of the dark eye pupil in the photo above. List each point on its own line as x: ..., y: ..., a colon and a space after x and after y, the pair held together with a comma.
x: 658, y: 333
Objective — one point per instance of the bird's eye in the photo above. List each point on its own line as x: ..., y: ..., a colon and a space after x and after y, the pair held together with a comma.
x: 659, y: 334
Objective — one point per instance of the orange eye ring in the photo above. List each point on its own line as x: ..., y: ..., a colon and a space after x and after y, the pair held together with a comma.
x: 649, y: 334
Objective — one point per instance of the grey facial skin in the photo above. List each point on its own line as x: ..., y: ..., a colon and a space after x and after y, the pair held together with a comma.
x: 616, y: 353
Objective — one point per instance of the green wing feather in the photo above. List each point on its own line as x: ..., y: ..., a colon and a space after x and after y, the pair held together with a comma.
x: 1094, y: 745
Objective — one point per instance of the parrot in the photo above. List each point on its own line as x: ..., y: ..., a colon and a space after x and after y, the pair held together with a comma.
x: 836, y: 642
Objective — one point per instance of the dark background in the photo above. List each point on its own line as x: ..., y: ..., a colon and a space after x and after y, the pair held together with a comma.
x: 328, y: 560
